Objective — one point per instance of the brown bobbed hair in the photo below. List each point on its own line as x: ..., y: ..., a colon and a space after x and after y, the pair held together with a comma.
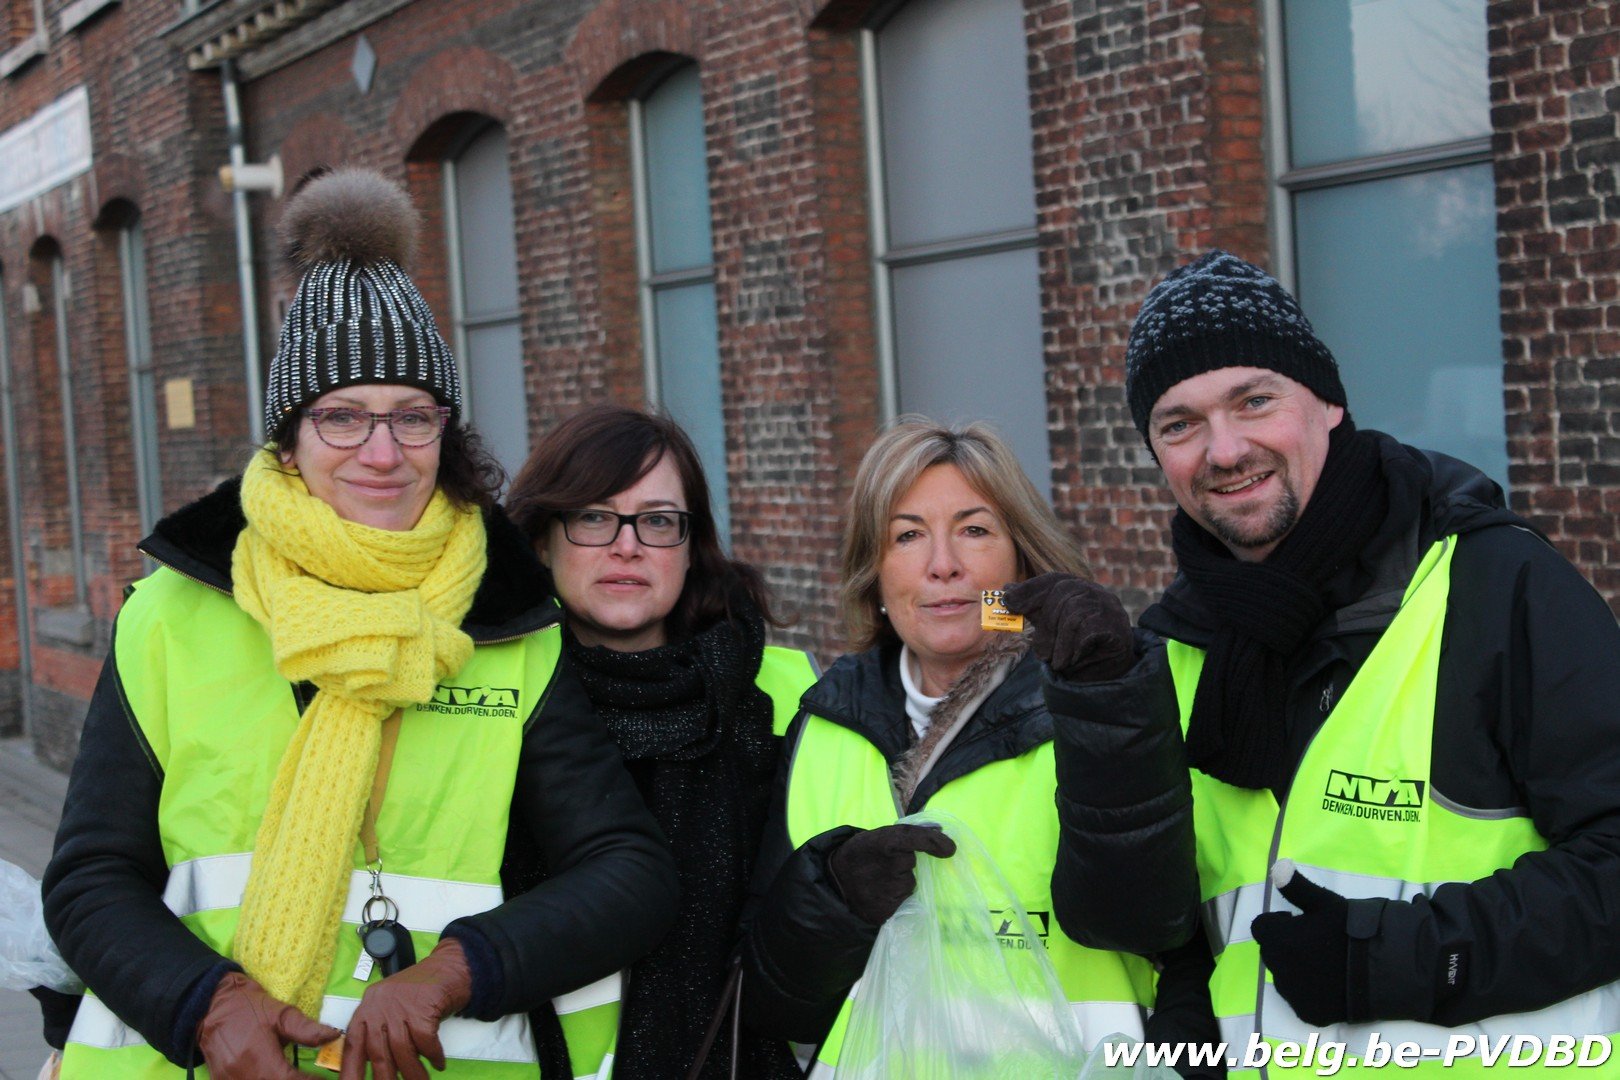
x: 894, y: 462
x: 468, y: 473
x: 604, y: 449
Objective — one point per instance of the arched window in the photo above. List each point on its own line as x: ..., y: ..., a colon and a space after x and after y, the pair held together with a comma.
x: 488, y: 340
x: 143, y: 415
x: 54, y: 365
x: 675, y: 268
x: 953, y: 219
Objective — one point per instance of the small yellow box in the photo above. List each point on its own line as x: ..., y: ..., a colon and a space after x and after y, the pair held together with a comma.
x: 993, y: 615
x: 331, y: 1055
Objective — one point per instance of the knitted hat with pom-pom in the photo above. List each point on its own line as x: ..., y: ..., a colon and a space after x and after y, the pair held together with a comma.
x: 357, y: 317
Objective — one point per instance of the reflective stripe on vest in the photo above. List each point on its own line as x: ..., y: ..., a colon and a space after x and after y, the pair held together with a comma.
x: 425, y: 904
x: 590, y: 1023
x: 838, y: 778
x: 1361, y: 819
x: 198, y: 677
x: 505, y: 1040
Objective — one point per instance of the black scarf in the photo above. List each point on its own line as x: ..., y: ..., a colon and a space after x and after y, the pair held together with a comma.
x: 696, y: 735
x: 1265, y: 612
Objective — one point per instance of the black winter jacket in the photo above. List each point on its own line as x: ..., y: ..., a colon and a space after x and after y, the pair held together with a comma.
x: 610, y: 898
x: 1525, y: 722
x: 804, y: 948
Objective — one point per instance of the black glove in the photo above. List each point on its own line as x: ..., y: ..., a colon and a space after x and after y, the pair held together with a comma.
x: 877, y: 869
x: 1081, y: 630
x: 57, y: 1011
x: 1309, y: 953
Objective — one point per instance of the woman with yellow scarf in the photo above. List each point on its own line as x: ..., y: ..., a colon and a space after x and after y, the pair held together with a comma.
x: 327, y: 721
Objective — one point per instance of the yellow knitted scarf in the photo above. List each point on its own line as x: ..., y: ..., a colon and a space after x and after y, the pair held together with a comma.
x: 372, y: 618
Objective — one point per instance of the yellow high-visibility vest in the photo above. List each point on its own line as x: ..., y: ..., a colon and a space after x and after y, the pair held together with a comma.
x: 198, y: 677
x: 839, y: 778
x: 1361, y: 818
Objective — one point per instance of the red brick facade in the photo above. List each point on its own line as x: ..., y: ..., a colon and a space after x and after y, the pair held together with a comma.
x: 1555, y: 94
x: 1149, y: 123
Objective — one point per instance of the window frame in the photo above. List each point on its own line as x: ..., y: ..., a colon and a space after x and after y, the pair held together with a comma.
x: 886, y: 258
x: 648, y: 283
x: 455, y: 266
x: 143, y: 419
x: 1287, y: 181
x: 70, y: 438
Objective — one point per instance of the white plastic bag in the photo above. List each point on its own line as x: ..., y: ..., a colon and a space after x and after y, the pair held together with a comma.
x: 943, y: 999
x: 28, y: 956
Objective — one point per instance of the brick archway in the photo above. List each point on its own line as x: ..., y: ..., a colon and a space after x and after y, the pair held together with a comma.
x: 459, y: 80
x: 611, y: 45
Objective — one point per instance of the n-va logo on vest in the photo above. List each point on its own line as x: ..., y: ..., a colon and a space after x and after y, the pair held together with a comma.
x: 473, y: 701
x: 1009, y: 936
x: 1372, y: 798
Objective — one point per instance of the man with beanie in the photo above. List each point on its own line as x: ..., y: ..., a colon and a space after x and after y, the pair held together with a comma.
x: 1371, y: 735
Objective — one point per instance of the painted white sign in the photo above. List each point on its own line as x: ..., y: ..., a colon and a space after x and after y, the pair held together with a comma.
x: 48, y: 148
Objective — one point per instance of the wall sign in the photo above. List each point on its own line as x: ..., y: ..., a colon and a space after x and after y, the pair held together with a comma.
x: 48, y: 148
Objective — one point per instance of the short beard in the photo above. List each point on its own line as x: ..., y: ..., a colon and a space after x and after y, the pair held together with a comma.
x: 1283, y: 516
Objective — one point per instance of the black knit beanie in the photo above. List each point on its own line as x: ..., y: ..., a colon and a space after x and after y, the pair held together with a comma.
x: 1221, y: 312
x: 357, y: 317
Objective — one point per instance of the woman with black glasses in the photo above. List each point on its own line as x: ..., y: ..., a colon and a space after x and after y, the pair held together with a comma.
x: 668, y: 636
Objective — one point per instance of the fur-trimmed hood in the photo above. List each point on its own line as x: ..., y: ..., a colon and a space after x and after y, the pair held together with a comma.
x: 514, y: 598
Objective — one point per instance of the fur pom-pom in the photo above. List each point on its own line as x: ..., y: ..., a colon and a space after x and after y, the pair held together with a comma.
x: 353, y: 214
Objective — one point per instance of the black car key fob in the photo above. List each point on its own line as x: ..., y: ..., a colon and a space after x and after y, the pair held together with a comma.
x: 389, y: 944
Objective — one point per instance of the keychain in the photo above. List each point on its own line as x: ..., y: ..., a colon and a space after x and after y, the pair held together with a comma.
x: 384, y: 940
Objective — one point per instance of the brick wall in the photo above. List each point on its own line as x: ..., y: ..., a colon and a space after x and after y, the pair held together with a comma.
x: 1148, y: 148
x: 1555, y: 93
x: 157, y: 137
x: 1148, y: 138
x: 794, y: 313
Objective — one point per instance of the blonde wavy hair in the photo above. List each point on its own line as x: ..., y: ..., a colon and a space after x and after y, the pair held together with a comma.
x: 894, y: 462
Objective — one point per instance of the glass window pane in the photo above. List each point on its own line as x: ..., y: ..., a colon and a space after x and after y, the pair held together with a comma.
x: 143, y: 395
x: 677, y: 174
x: 689, y: 380
x: 957, y: 142
x: 1399, y: 278
x: 495, y: 368
x: 484, y: 214
x: 968, y: 344
x: 1375, y: 76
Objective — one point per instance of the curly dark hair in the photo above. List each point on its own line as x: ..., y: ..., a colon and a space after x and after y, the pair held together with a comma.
x: 468, y: 473
x: 604, y: 449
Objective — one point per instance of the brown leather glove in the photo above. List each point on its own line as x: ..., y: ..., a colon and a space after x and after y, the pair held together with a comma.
x: 398, y: 1020
x: 876, y: 870
x: 245, y: 1032
x: 1079, y: 628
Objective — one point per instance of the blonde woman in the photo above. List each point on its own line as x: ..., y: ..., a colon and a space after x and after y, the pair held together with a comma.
x: 931, y: 712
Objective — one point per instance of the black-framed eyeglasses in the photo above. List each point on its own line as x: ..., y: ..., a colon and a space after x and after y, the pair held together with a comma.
x: 344, y: 428
x: 599, y: 528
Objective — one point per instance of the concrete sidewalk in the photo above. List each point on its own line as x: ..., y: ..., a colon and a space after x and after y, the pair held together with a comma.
x: 30, y: 804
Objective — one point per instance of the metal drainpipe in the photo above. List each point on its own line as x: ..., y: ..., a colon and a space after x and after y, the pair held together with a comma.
x: 244, y: 258
x: 19, y: 564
